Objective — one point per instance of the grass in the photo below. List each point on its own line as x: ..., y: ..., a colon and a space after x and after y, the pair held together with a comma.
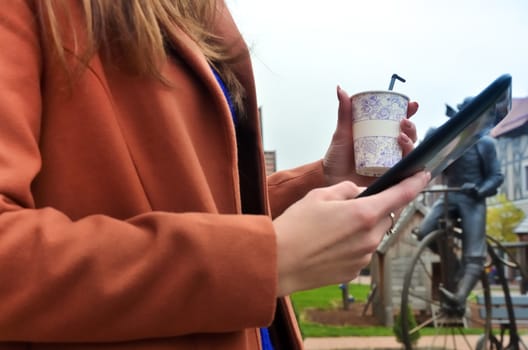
x: 330, y: 298
x: 327, y: 298
x: 315, y: 330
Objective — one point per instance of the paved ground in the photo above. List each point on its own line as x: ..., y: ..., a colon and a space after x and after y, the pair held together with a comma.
x: 351, y: 343
x: 385, y: 343
x: 380, y: 343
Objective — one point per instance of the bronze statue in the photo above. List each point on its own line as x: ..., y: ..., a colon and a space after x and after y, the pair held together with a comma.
x: 478, y: 174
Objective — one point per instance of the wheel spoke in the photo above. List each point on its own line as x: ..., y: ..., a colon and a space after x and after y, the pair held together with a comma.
x: 422, y: 325
x: 425, y: 269
x: 420, y: 292
x: 421, y: 297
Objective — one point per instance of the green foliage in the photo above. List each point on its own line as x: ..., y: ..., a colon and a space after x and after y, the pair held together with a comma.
x: 502, y: 218
x: 397, y: 328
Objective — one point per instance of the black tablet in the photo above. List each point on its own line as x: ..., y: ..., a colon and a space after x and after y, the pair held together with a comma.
x: 449, y: 141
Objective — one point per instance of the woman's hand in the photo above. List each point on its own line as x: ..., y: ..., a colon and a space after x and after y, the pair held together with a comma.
x: 338, y: 163
x: 329, y: 236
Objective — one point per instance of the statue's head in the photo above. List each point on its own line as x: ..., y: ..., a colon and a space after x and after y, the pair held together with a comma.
x: 450, y: 111
x: 464, y: 103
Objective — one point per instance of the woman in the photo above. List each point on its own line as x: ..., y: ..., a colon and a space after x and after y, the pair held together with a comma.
x: 134, y: 210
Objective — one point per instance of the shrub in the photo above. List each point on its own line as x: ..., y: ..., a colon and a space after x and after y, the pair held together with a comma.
x: 397, y: 328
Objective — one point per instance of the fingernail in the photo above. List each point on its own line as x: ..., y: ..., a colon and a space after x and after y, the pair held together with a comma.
x: 427, y: 176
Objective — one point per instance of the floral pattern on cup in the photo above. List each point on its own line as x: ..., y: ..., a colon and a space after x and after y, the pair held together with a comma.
x: 376, y: 128
x: 379, y: 106
x: 379, y: 154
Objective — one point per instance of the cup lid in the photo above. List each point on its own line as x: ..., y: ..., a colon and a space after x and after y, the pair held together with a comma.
x: 389, y: 92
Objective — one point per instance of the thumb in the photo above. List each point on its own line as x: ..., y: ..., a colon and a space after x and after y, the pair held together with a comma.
x: 344, y: 116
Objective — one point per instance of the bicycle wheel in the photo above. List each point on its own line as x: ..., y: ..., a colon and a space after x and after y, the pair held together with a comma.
x: 422, y: 308
x: 501, y: 259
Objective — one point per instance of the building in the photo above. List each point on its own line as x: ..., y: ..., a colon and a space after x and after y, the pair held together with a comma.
x: 271, y: 161
x: 270, y: 157
x: 512, y: 148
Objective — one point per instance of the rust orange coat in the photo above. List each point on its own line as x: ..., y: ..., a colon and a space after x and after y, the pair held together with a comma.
x: 120, y: 205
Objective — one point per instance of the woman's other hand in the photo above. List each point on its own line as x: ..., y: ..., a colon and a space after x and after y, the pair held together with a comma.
x: 329, y: 236
x: 338, y: 163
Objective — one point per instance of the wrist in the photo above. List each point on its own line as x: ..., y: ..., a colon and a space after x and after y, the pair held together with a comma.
x: 287, y: 259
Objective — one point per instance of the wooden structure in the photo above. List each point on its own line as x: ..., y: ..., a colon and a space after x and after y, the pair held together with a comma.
x: 392, y: 258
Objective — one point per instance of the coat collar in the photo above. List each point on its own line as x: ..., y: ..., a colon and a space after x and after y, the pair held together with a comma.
x: 226, y: 28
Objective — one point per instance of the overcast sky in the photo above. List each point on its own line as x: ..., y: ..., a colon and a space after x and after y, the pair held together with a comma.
x: 303, y: 49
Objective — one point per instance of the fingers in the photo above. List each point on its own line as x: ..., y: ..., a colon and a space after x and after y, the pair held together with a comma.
x: 406, y: 144
x: 408, y: 128
x: 399, y: 195
x: 407, y: 137
x: 330, y: 234
x: 412, y: 109
x: 341, y: 191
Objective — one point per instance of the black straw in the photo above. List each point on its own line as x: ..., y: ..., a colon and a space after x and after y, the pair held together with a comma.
x: 393, y: 79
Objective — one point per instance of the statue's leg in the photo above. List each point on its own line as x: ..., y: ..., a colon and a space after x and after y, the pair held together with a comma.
x: 473, y: 215
x: 474, y: 247
x: 430, y: 221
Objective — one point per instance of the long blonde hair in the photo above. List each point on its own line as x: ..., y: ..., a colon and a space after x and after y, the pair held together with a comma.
x: 133, y: 33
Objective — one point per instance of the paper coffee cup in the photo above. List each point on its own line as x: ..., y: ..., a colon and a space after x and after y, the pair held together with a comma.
x: 377, y: 116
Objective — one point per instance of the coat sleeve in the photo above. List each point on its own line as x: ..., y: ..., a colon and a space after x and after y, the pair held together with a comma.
x: 102, y: 279
x: 288, y: 186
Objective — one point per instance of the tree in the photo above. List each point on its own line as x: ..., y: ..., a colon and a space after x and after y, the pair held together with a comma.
x: 502, y: 218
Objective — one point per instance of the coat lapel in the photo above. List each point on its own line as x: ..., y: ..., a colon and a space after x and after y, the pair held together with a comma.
x: 252, y: 153
x: 252, y: 160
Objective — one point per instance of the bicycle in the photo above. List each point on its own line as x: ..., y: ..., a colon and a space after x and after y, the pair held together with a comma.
x: 430, y: 269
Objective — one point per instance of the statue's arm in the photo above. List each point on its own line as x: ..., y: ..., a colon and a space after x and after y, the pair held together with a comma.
x: 493, y: 176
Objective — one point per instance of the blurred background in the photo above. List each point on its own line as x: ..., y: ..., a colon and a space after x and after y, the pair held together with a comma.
x: 303, y: 49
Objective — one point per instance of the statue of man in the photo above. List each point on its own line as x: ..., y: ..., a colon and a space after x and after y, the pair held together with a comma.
x: 477, y: 172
